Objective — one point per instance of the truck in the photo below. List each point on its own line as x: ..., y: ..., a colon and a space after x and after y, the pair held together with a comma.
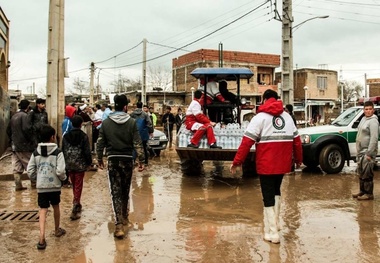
x: 228, y: 130
x: 329, y: 147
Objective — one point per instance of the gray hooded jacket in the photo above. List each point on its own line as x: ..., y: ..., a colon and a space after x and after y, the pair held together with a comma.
x: 367, y: 137
x: 47, y: 167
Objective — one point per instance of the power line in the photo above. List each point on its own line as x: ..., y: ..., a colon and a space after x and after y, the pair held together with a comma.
x: 197, y: 40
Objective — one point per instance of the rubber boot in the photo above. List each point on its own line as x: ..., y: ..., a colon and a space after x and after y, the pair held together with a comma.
x: 119, y: 231
x: 277, y: 208
x: 18, y: 183
x: 270, y: 228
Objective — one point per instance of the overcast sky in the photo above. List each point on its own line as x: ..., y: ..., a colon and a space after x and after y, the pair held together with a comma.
x: 348, y: 41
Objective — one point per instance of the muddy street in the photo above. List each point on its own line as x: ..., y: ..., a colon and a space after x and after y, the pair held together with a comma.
x: 206, y: 218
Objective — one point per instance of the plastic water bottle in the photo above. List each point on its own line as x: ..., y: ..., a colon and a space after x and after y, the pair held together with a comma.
x: 182, y: 140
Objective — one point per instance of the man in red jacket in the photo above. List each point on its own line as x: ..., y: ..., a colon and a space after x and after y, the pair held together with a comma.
x: 197, y: 122
x: 277, y: 142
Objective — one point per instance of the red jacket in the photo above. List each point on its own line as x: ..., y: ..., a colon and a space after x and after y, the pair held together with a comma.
x: 276, y: 137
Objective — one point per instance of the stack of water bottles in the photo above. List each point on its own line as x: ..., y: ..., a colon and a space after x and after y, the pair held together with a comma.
x: 228, y: 136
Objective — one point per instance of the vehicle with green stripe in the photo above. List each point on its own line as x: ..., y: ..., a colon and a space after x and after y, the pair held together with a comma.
x: 330, y: 146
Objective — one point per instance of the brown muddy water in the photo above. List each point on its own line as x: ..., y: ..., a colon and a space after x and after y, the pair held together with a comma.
x: 204, y: 218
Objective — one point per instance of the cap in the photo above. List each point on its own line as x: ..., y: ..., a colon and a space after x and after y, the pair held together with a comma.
x: 39, y: 101
x: 83, y: 107
x: 23, y: 105
x: 69, y: 111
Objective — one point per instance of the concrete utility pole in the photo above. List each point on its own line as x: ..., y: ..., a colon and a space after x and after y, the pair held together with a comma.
x: 92, y: 75
x: 287, y: 54
x: 143, y: 91
x: 55, y: 88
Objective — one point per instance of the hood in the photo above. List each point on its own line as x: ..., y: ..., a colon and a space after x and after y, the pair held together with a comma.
x: 46, y: 148
x: 372, y: 117
x: 119, y: 117
x: 69, y: 111
x: 73, y: 137
x: 137, y: 111
x: 272, y: 106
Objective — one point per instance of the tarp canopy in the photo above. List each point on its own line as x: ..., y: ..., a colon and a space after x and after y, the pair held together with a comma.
x: 223, y: 73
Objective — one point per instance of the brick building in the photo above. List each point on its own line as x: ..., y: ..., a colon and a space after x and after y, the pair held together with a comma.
x: 4, y: 50
x: 321, y: 94
x: 262, y: 65
x: 374, y: 87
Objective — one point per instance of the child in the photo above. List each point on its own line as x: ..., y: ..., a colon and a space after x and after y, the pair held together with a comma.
x: 77, y: 152
x: 47, y: 167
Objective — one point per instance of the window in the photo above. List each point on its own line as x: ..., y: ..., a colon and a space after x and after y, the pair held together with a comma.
x: 322, y: 83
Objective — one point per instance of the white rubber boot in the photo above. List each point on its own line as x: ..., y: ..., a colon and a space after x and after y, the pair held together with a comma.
x: 277, y: 208
x: 270, y: 227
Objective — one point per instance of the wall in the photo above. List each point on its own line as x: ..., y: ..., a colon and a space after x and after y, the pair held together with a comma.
x: 258, y: 63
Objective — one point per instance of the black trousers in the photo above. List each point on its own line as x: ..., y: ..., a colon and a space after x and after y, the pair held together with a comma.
x: 270, y: 186
x: 119, y: 177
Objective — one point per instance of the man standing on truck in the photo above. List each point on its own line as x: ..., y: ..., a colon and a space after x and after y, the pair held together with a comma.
x: 277, y: 141
x: 197, y: 122
x: 366, y: 148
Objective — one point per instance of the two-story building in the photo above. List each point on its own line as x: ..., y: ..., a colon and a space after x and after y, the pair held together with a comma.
x: 315, y: 94
x: 262, y: 65
x: 5, y: 105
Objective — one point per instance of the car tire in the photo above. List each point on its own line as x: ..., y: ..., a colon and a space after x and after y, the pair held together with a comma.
x: 331, y: 159
x: 191, y: 167
x: 157, y: 152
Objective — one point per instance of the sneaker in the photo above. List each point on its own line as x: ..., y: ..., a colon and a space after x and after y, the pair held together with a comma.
x: 20, y: 188
x: 365, y: 197
x: 60, y: 232
x: 214, y: 146
x: 191, y: 145
x: 357, y: 195
x: 119, y: 231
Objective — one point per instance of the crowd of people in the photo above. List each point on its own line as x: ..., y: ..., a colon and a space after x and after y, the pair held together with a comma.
x: 122, y: 138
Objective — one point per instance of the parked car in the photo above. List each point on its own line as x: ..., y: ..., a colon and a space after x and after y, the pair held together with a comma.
x: 158, y: 142
x: 329, y: 146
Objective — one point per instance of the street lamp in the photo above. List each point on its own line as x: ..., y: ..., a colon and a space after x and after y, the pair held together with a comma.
x: 306, y: 88
x: 294, y: 28
x: 192, y: 93
x: 341, y: 96
x: 354, y: 94
x: 287, y: 77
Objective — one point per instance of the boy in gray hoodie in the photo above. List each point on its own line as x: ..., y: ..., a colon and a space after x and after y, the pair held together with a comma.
x: 47, y: 167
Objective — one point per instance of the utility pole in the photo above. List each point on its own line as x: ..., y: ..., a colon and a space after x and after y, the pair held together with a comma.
x: 55, y: 89
x: 92, y: 75
x: 143, y: 91
x: 287, y: 53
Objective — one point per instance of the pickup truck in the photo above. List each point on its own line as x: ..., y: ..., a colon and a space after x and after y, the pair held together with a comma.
x: 330, y: 146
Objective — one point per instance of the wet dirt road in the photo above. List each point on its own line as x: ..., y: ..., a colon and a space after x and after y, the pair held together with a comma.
x: 201, y: 219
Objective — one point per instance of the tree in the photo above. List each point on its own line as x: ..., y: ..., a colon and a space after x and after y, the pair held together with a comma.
x: 351, y: 90
x: 80, y: 87
x: 124, y: 84
x: 160, y: 77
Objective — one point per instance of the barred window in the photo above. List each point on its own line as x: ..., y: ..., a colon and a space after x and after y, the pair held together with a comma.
x: 322, y: 83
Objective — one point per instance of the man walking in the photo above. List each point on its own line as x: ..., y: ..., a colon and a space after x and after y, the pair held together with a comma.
x: 120, y: 136
x: 168, y: 121
x: 144, y: 125
x: 366, y: 148
x: 277, y: 141
x: 19, y: 131
x: 38, y: 118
